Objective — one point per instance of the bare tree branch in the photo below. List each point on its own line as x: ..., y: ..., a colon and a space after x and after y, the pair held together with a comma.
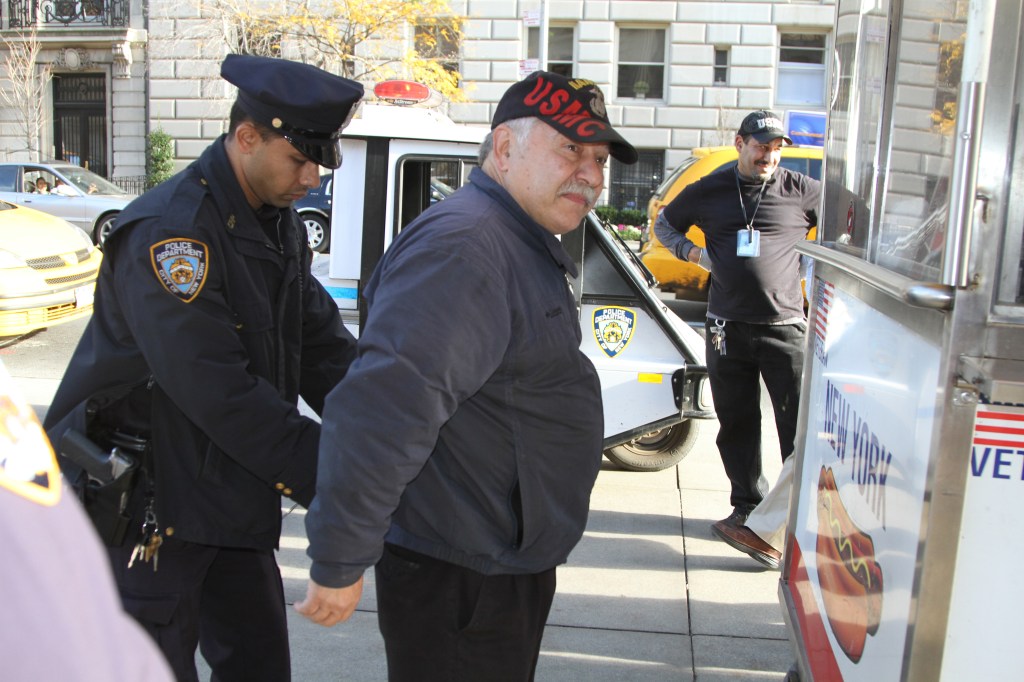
x: 25, y: 89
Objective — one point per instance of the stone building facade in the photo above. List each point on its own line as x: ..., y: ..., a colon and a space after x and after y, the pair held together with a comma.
x: 677, y: 74
x: 93, y: 108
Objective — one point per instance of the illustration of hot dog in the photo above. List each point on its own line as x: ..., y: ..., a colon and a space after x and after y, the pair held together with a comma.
x: 850, y: 578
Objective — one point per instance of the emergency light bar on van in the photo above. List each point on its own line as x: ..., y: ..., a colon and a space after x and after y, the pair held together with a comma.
x: 406, y: 93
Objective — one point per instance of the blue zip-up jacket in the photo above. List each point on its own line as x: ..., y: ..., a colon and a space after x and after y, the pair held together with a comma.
x: 470, y: 427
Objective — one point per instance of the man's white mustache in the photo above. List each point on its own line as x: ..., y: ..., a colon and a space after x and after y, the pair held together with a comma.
x: 588, y: 192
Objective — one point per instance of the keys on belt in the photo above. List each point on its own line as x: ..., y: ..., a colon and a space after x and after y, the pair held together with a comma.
x: 149, y: 543
x: 718, y: 336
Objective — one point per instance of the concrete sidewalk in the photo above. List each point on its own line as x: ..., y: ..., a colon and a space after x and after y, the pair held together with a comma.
x: 648, y: 594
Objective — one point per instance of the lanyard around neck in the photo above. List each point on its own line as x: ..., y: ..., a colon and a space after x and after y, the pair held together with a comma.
x: 749, y: 222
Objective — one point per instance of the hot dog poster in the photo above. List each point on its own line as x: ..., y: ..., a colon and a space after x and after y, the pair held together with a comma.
x: 870, y: 409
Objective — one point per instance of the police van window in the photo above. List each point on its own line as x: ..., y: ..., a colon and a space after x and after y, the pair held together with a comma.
x: 599, y: 274
x: 424, y: 182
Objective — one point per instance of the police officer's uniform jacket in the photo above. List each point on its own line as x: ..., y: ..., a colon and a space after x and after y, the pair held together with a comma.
x: 207, y: 327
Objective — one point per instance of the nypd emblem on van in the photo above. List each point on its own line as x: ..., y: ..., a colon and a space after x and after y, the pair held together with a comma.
x: 613, y: 328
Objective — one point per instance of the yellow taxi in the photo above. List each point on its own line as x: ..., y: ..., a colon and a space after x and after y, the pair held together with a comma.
x: 683, y: 278
x: 48, y: 270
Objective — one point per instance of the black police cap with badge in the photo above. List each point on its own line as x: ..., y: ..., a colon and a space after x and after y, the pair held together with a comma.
x: 307, y: 106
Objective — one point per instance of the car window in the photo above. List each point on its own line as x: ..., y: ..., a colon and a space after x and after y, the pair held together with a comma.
x: 672, y: 177
x: 728, y: 164
x: 39, y: 180
x: 815, y: 168
x: 8, y: 178
x: 811, y: 167
x: 88, y: 182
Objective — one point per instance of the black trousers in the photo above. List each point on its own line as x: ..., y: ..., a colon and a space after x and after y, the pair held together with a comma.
x: 754, y: 351
x: 443, y: 622
x: 228, y: 601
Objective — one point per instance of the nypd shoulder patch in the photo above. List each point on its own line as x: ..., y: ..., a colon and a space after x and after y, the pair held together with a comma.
x: 181, y: 265
x: 613, y: 328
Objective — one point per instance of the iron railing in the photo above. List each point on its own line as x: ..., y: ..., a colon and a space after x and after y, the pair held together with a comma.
x: 133, y: 184
x: 28, y: 13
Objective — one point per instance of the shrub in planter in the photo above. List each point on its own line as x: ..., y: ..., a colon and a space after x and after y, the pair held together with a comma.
x: 632, y: 216
x: 607, y: 213
x: 159, y: 157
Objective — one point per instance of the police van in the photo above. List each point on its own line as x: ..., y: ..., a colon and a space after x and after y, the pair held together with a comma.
x: 396, y: 153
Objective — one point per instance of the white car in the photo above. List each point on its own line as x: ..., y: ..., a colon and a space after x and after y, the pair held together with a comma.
x: 67, y: 191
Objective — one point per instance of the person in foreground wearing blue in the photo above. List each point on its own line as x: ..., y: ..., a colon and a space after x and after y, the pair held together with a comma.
x: 753, y: 215
x: 459, y: 453
x: 208, y: 326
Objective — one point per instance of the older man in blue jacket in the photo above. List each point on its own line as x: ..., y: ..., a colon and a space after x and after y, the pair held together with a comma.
x: 459, y: 453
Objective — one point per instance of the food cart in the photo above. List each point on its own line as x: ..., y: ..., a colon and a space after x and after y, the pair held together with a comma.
x: 904, y: 541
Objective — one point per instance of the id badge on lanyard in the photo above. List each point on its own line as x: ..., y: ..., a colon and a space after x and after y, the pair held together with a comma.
x: 748, y: 240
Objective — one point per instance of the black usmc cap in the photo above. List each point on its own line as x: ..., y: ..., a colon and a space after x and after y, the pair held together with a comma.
x: 572, y: 106
x: 765, y: 126
x: 308, y: 106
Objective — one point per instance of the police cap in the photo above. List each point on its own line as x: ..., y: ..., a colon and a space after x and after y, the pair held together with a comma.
x: 308, y: 106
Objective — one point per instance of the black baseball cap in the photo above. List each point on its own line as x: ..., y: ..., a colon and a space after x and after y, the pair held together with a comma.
x: 572, y: 106
x: 307, y: 106
x: 765, y: 126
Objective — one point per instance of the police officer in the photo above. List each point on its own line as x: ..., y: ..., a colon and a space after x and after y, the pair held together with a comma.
x: 207, y: 328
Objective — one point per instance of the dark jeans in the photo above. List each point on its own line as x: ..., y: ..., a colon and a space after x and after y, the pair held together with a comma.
x: 228, y: 601
x: 443, y: 622
x: 776, y: 354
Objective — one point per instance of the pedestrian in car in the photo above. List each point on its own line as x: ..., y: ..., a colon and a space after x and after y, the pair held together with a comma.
x: 208, y: 327
x: 462, y: 468
x: 753, y: 215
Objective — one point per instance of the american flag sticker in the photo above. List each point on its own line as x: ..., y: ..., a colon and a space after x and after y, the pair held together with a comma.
x: 997, y: 426
x: 826, y: 294
x: 998, y: 444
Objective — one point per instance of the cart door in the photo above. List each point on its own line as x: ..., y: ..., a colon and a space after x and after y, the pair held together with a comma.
x: 893, y: 568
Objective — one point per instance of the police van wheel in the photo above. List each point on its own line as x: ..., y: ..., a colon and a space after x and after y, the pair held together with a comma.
x: 656, y: 450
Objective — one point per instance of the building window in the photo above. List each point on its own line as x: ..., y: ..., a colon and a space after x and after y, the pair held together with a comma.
x: 801, y: 69
x: 560, y: 48
x: 641, y: 71
x: 721, y: 66
x: 632, y: 185
x: 440, y: 42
